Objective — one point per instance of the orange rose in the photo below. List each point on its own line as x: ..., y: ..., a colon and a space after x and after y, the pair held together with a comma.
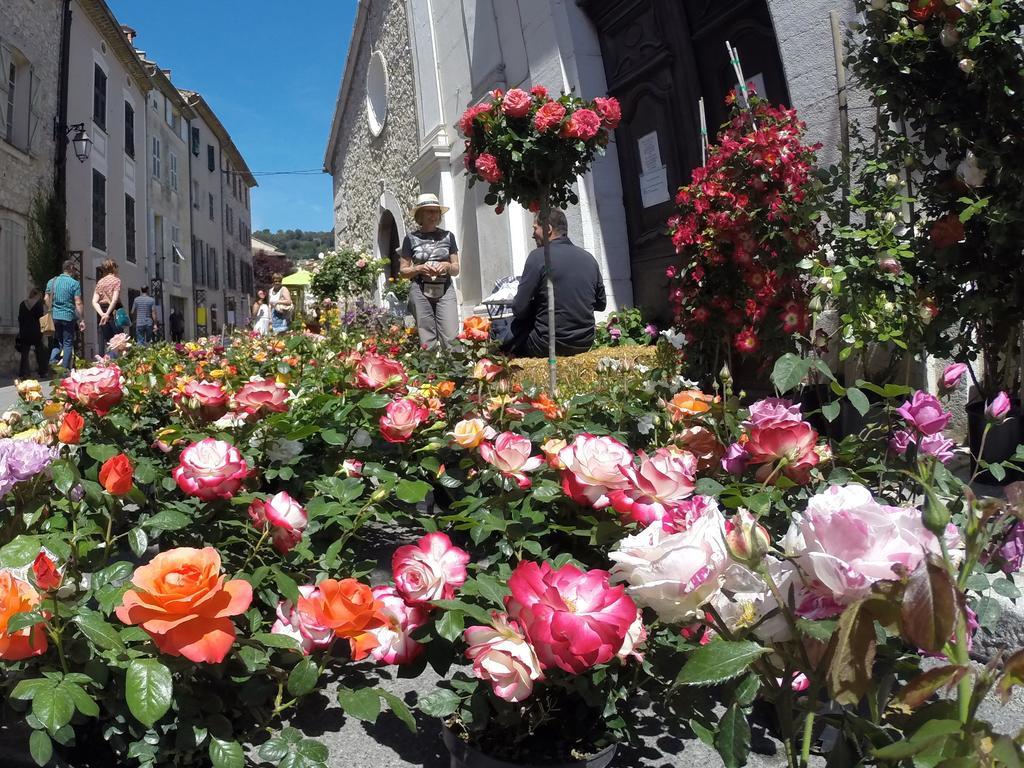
x: 703, y: 444
x: 71, y: 428
x: 547, y: 406
x: 476, y: 328
x: 116, y: 475
x: 349, y: 608
x: 17, y: 596
x: 446, y: 388
x: 690, y: 402
x: 183, y: 602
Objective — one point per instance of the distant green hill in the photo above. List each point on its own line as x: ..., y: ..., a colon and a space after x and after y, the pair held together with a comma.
x: 296, y: 243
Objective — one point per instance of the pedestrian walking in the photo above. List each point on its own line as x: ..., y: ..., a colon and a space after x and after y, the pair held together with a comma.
x: 30, y: 334
x: 281, y: 306
x: 106, y: 299
x: 144, y: 310
x: 177, y: 321
x: 430, y: 259
x: 64, y: 303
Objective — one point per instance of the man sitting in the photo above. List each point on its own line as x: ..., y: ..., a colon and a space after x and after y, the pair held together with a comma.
x: 579, y: 292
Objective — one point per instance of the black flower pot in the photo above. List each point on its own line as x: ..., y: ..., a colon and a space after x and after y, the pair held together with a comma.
x: 466, y: 756
x: 1000, y: 443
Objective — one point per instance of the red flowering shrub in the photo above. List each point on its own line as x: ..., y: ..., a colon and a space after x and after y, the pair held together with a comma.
x: 528, y: 146
x: 744, y: 224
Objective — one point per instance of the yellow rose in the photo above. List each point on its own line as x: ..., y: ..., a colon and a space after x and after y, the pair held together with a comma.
x: 469, y: 433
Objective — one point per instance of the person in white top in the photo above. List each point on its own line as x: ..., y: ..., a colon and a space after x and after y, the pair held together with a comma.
x: 261, y: 314
x: 280, y: 305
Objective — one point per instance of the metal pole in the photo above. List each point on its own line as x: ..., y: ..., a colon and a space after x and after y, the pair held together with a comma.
x: 703, y: 133
x: 545, y: 215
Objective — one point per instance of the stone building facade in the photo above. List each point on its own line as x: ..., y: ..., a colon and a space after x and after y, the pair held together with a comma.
x: 30, y: 39
x: 657, y: 56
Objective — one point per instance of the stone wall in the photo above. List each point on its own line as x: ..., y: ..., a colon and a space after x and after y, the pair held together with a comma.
x: 367, y: 166
x: 31, y: 28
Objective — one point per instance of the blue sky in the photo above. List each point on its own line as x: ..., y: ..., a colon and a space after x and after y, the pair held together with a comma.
x: 271, y: 71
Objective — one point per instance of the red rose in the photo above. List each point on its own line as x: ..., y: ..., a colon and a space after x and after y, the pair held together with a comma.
x: 583, y: 125
x: 922, y: 10
x: 549, y: 116
x: 71, y: 428
x: 516, y: 103
x: 45, y: 573
x: 487, y: 168
x: 610, y: 112
x: 116, y: 475
x: 947, y: 231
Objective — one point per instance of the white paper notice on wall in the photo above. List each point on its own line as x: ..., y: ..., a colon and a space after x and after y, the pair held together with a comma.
x: 230, y: 317
x: 654, y: 187
x: 650, y: 153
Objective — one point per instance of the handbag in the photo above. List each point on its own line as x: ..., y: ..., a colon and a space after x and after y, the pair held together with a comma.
x: 121, y: 318
x: 46, y: 324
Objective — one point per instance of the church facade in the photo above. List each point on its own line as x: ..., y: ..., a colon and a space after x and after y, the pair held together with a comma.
x: 414, y: 66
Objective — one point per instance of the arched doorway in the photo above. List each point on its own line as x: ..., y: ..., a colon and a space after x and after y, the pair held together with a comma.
x: 388, y: 242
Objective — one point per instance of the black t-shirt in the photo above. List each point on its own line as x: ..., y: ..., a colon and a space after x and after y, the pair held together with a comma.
x: 420, y: 247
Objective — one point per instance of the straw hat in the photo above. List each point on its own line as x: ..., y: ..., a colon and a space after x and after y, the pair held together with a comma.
x: 428, y: 200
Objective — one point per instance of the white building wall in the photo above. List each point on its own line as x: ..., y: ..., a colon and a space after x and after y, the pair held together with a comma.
x: 207, y: 231
x: 123, y: 174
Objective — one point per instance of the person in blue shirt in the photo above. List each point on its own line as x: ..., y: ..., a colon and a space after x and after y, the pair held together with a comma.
x: 64, y: 303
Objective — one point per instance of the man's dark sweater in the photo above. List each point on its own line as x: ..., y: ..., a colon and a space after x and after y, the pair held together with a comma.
x: 579, y: 292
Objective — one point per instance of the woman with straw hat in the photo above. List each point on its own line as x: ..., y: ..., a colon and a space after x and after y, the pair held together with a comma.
x: 430, y: 259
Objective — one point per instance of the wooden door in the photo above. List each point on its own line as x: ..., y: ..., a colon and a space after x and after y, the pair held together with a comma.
x: 660, y: 57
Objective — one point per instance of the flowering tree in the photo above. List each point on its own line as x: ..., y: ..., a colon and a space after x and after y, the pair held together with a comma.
x: 745, y: 222
x: 346, y: 272
x: 951, y: 73
x: 531, y: 148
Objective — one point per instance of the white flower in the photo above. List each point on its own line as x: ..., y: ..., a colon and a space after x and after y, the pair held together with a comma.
x: 231, y: 419
x: 967, y: 6
x: 645, y: 424
x: 283, y: 450
x: 949, y: 36
x: 675, y: 338
x: 967, y: 65
x: 970, y: 172
x: 362, y: 439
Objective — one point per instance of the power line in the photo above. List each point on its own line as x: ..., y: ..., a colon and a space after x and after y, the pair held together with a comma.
x: 309, y: 172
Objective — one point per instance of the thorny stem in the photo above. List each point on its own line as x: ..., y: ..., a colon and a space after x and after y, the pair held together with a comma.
x: 254, y: 550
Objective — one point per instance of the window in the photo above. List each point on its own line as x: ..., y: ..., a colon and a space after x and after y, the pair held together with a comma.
x: 129, y: 130
x: 99, y: 210
x: 195, y: 140
x: 173, y: 158
x: 195, y: 193
x: 211, y: 158
x: 156, y: 158
x: 177, y: 258
x: 212, y: 273
x: 129, y: 228
x: 231, y: 270
x: 211, y: 207
x: 12, y: 81
x: 229, y: 220
x: 99, y: 97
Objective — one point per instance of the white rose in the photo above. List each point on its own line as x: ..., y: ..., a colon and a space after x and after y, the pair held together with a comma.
x: 949, y: 36
x: 967, y: 65
x: 967, y: 5
x: 674, y: 574
x: 970, y: 172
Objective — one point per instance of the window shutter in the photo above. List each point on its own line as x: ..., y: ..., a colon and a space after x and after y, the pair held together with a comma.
x: 34, y: 114
x: 5, y: 67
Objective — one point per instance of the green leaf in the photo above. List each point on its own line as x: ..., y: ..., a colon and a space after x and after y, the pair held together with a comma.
x: 441, y: 703
x: 149, y: 689
x: 26, y: 689
x: 491, y: 589
x: 733, y: 737
x: 831, y: 410
x: 450, y: 625
x: 20, y: 552
x: 400, y: 709
x: 718, y: 661
x: 168, y: 520
x: 789, y: 371
x: 65, y: 475
x: 282, y: 642
x: 286, y: 585
x: 40, y: 747
x: 412, y: 491
x: 362, y: 703
x: 707, y: 486
x: 99, y: 632
x: 475, y: 612
x: 929, y: 733
x: 84, y: 703
x: 333, y: 437
x: 858, y: 400
x: 818, y: 630
x: 138, y: 541
x: 226, y: 754
x: 52, y: 708
x: 374, y: 401
x: 20, y: 621
x: 100, y: 453
x: 303, y: 677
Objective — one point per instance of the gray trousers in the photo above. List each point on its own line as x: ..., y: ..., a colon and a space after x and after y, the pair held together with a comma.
x: 437, y: 320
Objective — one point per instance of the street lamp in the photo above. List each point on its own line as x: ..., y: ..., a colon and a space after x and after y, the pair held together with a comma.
x: 81, y: 142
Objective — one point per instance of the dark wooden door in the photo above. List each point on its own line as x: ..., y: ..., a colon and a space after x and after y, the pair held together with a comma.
x: 660, y: 57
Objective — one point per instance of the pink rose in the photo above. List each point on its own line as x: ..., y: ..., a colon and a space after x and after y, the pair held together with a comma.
x: 925, y: 413
x: 99, y: 389
x: 300, y: 627
x: 378, y: 372
x: 285, y: 515
x: 360, y: 263
x: 510, y: 454
x: 846, y: 541
x: 503, y: 657
x: 210, y: 469
x: 516, y: 103
x: 352, y: 467
x: 394, y: 642
x: 261, y: 396
x: 735, y: 459
x: 486, y: 370
x: 401, y: 418
x: 675, y: 572
x: 574, y: 619
x: 583, y: 125
x: 206, y: 400
x: 468, y: 119
x: 789, y: 443
x: 772, y: 409
x: 662, y: 481
x: 900, y: 442
x: 610, y: 112
x: 952, y: 375
x: 488, y: 169
x: 549, y: 116
x: 430, y: 569
x: 539, y: 92
x: 594, y: 468
x: 997, y: 410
